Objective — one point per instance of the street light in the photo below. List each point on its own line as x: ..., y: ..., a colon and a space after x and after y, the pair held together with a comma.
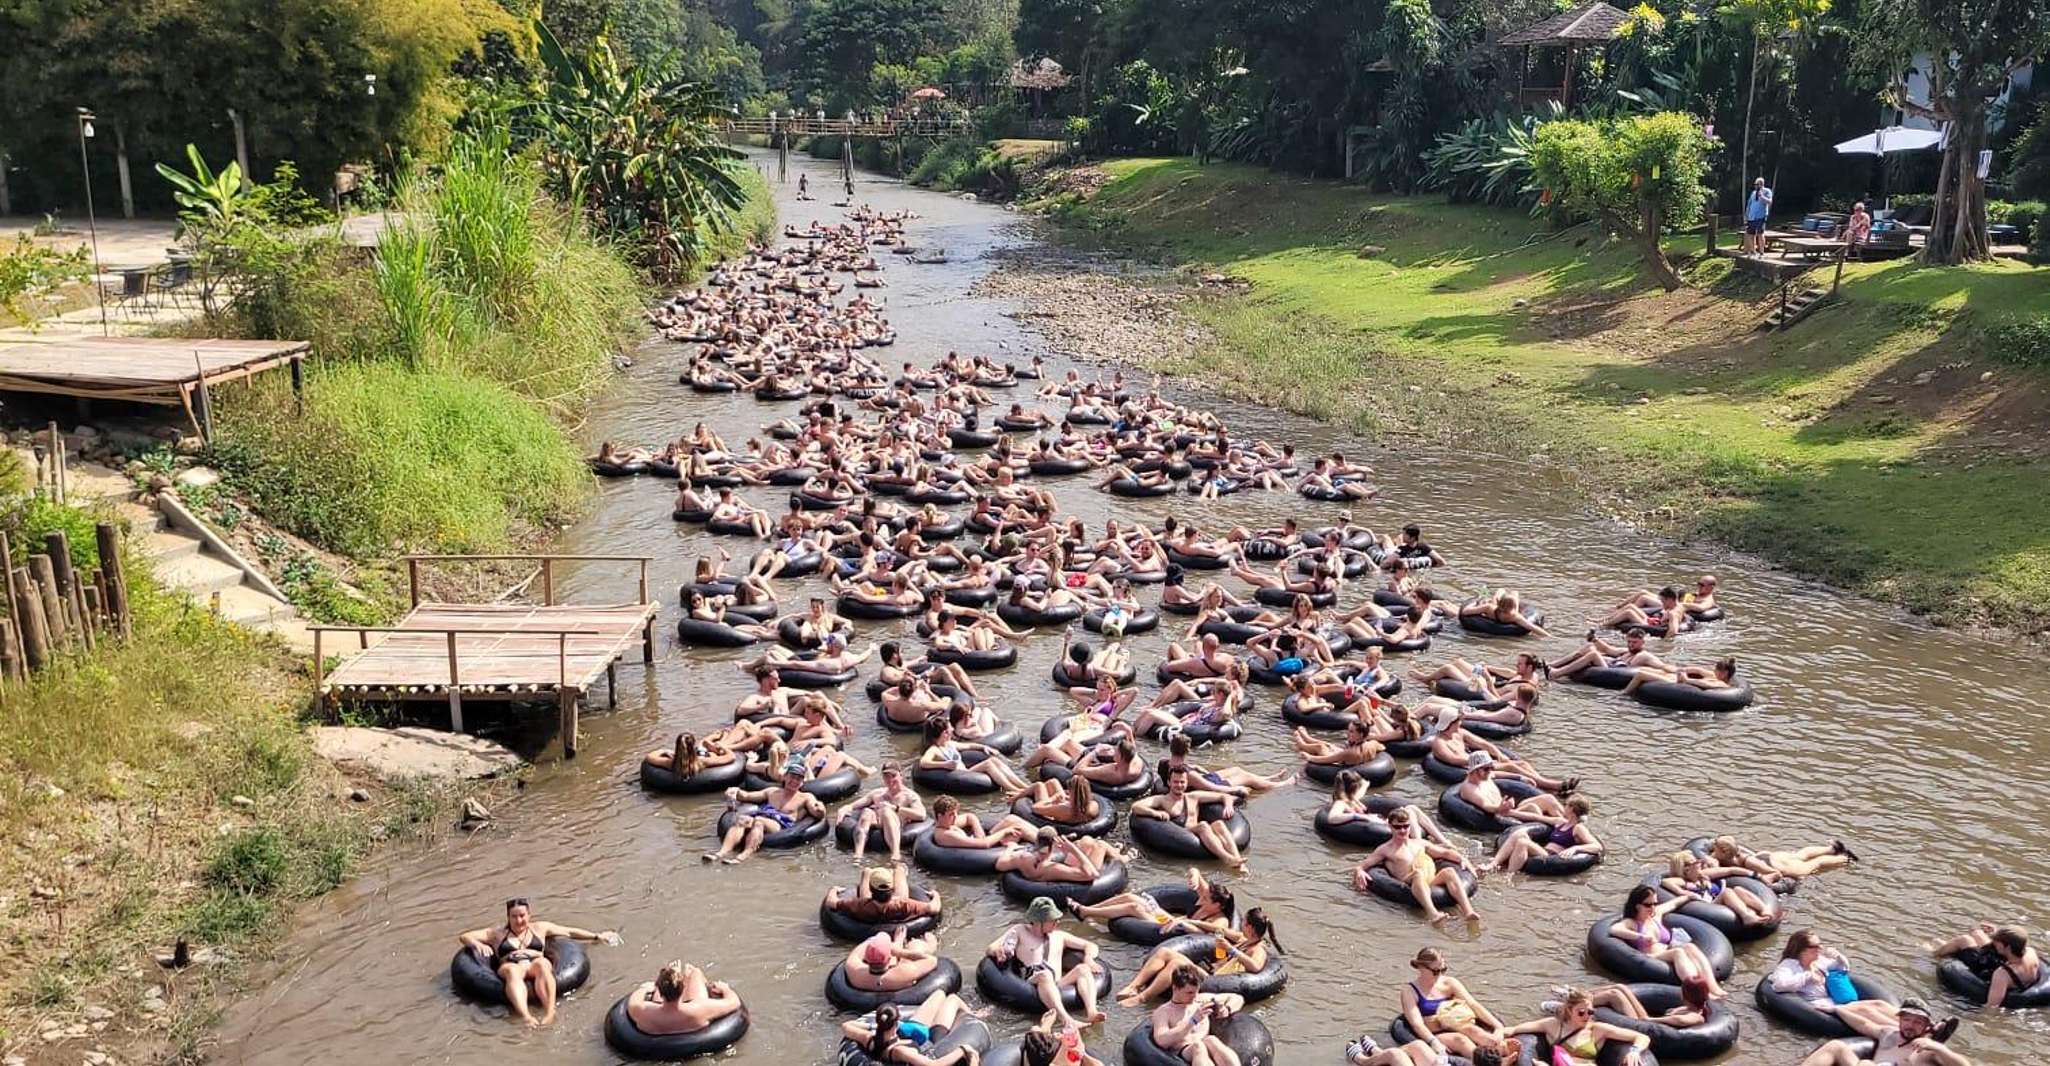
x: 92, y: 225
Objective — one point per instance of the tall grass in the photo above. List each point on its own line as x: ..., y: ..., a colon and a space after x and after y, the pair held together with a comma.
x: 387, y: 459
x: 416, y: 309
x: 485, y: 233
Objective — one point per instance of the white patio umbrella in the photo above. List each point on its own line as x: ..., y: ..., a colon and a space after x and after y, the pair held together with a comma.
x: 1889, y: 140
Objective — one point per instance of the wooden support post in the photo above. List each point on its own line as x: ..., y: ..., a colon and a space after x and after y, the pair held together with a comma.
x: 1712, y: 219
x: 455, y: 690
x: 648, y: 642
x: 611, y: 684
x: 413, y: 580
x: 44, y: 580
x: 56, y: 463
x: 547, y: 582
x: 117, y: 582
x: 1838, y: 280
x: 565, y: 697
x: 299, y: 384
x: 206, y: 405
x: 566, y: 706
x: 319, y: 673
x: 28, y: 614
x: 95, y: 605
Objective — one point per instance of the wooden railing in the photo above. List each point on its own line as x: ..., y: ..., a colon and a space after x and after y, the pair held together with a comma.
x: 547, y: 569
x: 859, y: 126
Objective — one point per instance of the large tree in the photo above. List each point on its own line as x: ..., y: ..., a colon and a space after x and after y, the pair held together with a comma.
x: 1967, y: 50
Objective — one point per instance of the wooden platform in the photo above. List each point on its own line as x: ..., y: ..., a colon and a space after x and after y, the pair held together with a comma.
x: 140, y: 369
x: 503, y: 652
x: 171, y: 371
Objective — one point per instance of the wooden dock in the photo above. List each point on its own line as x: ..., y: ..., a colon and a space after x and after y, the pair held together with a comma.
x: 497, y: 652
x: 176, y: 372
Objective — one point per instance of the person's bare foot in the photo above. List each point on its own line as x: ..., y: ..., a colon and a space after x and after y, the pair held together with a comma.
x: 729, y: 860
x: 1435, y: 917
x: 1095, y: 1017
x: 710, y: 856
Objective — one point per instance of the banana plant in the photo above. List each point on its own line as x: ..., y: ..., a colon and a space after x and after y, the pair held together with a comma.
x: 210, y: 197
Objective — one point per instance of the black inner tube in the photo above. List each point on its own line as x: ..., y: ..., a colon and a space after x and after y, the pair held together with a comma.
x: 627, y: 1038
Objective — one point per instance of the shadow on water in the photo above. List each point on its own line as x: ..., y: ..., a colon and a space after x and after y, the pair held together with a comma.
x: 1921, y: 747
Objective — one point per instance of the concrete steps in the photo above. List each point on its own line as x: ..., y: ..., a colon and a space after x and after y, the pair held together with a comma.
x: 187, y: 563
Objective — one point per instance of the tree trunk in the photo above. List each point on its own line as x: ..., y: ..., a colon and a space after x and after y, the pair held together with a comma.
x: 1957, y: 226
x: 1750, y: 98
x: 121, y: 166
x: 1645, y: 234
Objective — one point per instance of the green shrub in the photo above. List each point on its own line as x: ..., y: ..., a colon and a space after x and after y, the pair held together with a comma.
x: 253, y: 862
x: 387, y: 459
x: 2023, y: 340
x: 31, y: 518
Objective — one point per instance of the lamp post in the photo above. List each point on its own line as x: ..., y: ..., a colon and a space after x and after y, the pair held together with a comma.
x: 92, y: 225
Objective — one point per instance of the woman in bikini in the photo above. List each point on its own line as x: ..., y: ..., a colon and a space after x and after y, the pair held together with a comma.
x: 1441, y: 1012
x: 1774, y: 866
x: 1688, y: 874
x: 1233, y: 951
x: 1215, y: 910
x: 1643, y: 926
x: 516, y: 951
x: 1570, y: 836
x: 896, y: 1037
x: 1577, y: 1039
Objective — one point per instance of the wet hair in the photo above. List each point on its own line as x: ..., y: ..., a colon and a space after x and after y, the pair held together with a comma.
x: 1727, y: 666
x: 1262, y: 926
x: 1639, y: 896
x: 2011, y: 938
x: 891, y: 653
x: 669, y: 981
x: 1078, y: 653
x: 945, y: 805
x: 1413, y: 530
x: 1187, y: 977
x: 516, y: 901
x: 1579, y: 805
x: 1429, y: 959
x: 1039, y: 1047
x: 1178, y: 746
x: 886, y: 1032
x: 934, y: 727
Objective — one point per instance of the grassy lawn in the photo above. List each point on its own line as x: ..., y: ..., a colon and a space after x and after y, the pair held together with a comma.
x: 1867, y: 445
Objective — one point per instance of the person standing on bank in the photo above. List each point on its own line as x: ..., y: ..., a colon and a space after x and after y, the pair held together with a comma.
x: 1756, y: 207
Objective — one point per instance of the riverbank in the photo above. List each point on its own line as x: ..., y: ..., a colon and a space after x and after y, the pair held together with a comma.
x: 167, y: 789
x: 1896, y: 443
x: 161, y: 790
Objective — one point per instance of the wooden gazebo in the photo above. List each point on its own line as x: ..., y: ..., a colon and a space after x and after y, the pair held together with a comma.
x: 1593, y: 24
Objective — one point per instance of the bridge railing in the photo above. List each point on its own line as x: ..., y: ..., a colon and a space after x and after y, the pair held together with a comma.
x: 859, y: 126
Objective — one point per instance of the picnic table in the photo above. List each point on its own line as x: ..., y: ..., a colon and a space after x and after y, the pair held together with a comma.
x: 1811, y: 247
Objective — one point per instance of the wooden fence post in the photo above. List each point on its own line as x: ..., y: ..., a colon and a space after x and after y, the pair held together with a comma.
x: 44, y: 578
x: 10, y: 659
x: 81, y: 615
x: 28, y: 614
x: 117, y: 582
x: 13, y: 597
x: 59, y: 548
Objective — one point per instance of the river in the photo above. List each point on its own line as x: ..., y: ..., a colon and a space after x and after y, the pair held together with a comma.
x: 1920, y: 747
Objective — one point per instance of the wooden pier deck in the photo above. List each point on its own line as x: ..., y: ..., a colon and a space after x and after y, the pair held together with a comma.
x: 499, y: 652
x: 172, y: 371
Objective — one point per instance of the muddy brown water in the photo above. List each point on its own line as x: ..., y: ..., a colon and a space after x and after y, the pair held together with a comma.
x: 1922, y: 748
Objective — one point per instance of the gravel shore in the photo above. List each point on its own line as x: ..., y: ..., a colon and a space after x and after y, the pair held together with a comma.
x: 1098, y: 311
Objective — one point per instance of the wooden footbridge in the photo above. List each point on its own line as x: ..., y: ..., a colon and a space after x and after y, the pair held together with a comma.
x: 884, y: 125
x: 489, y: 652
